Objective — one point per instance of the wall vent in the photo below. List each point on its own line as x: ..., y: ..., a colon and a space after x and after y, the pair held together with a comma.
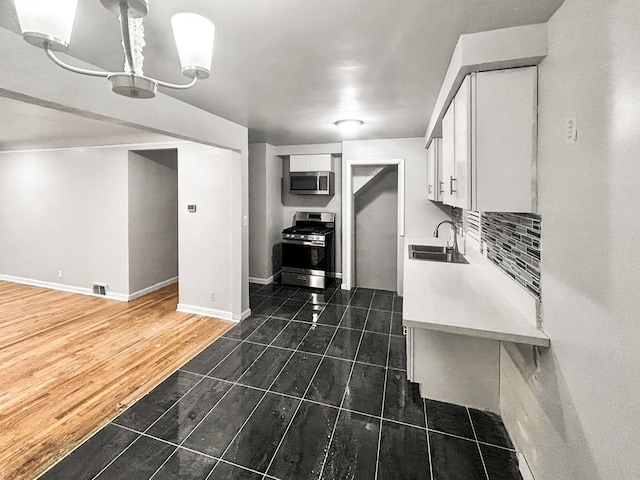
x: 100, y: 288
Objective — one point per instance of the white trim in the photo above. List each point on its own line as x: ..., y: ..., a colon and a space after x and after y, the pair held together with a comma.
x: 121, y: 297
x: 152, y: 288
x: 206, y: 312
x: 137, y: 146
x: 264, y: 281
x: 348, y: 257
x: 239, y: 318
x: 523, y: 466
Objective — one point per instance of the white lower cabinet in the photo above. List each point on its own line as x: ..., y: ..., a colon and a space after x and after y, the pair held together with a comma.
x: 455, y: 368
x: 489, y: 134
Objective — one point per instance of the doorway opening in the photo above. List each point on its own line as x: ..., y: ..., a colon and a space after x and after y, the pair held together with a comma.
x: 153, y: 220
x: 371, y: 190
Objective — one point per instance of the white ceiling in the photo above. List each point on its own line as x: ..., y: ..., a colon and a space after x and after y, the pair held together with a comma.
x: 288, y: 69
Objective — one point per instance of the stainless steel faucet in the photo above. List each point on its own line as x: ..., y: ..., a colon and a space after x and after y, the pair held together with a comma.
x: 455, y: 234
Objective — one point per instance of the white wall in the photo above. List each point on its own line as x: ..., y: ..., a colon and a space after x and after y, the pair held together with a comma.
x: 153, y: 218
x: 239, y: 230
x: 265, y: 208
x: 258, y: 258
x: 576, y: 415
x: 206, y: 236
x: 273, y: 199
x: 65, y: 210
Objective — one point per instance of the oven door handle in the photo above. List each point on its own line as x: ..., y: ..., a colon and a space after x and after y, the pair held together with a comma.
x: 312, y: 243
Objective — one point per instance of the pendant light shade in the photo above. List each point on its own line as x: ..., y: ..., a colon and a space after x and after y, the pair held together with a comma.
x: 47, y: 21
x: 194, y: 36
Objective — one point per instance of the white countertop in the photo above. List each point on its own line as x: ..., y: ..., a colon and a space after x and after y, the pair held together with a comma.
x: 460, y: 299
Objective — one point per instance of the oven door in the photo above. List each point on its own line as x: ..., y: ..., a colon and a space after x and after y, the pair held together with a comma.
x: 304, y: 256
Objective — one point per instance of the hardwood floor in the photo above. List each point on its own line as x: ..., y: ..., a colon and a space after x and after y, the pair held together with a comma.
x: 69, y: 363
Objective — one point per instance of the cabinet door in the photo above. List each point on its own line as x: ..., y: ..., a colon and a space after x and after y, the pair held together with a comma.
x: 445, y: 181
x: 505, y: 140
x: 310, y: 163
x: 461, y: 183
x: 433, y: 170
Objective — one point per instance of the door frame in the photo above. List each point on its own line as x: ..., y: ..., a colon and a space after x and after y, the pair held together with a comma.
x: 348, y: 217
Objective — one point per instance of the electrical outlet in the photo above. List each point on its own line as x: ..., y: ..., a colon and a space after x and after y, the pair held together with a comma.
x: 212, y: 296
x: 59, y: 273
x: 571, y: 132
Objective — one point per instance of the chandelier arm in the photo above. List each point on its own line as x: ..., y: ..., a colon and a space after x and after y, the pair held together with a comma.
x: 177, y: 87
x: 126, y: 37
x: 71, y: 68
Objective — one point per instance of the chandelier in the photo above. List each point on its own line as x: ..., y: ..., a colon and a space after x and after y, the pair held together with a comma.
x: 48, y: 23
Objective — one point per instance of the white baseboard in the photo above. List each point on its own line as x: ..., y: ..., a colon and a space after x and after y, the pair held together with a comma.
x: 152, y: 288
x: 206, y: 312
x: 525, y: 471
x: 264, y: 281
x: 239, y: 318
x: 122, y: 297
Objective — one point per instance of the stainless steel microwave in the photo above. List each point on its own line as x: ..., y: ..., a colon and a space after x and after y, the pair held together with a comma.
x: 311, y: 183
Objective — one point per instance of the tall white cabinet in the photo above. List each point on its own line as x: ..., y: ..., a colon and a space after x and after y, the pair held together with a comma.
x: 489, y: 137
x: 434, y: 167
x: 447, y: 174
x: 461, y: 184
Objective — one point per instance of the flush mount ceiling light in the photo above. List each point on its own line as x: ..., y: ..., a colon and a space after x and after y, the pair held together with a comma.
x: 48, y: 23
x: 349, y: 126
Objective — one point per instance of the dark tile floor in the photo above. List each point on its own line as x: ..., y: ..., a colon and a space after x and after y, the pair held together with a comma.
x: 311, y: 386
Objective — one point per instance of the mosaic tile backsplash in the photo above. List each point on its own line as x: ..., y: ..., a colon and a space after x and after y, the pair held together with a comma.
x: 512, y: 242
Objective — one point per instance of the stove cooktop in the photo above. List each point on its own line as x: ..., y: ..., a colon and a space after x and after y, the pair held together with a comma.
x: 308, y: 230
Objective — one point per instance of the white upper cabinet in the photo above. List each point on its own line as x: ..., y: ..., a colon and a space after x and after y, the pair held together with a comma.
x: 434, y: 169
x: 489, y: 137
x: 310, y: 163
x: 448, y: 155
x: 461, y: 184
x: 505, y: 140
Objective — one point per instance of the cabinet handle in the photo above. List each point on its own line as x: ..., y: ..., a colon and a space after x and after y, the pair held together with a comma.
x: 441, y: 187
x: 451, y: 189
x: 430, y: 188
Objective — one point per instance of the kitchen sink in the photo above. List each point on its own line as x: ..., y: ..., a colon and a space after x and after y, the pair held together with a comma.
x: 435, y: 253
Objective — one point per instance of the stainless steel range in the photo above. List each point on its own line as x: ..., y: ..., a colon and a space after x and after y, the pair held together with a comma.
x: 307, y: 249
